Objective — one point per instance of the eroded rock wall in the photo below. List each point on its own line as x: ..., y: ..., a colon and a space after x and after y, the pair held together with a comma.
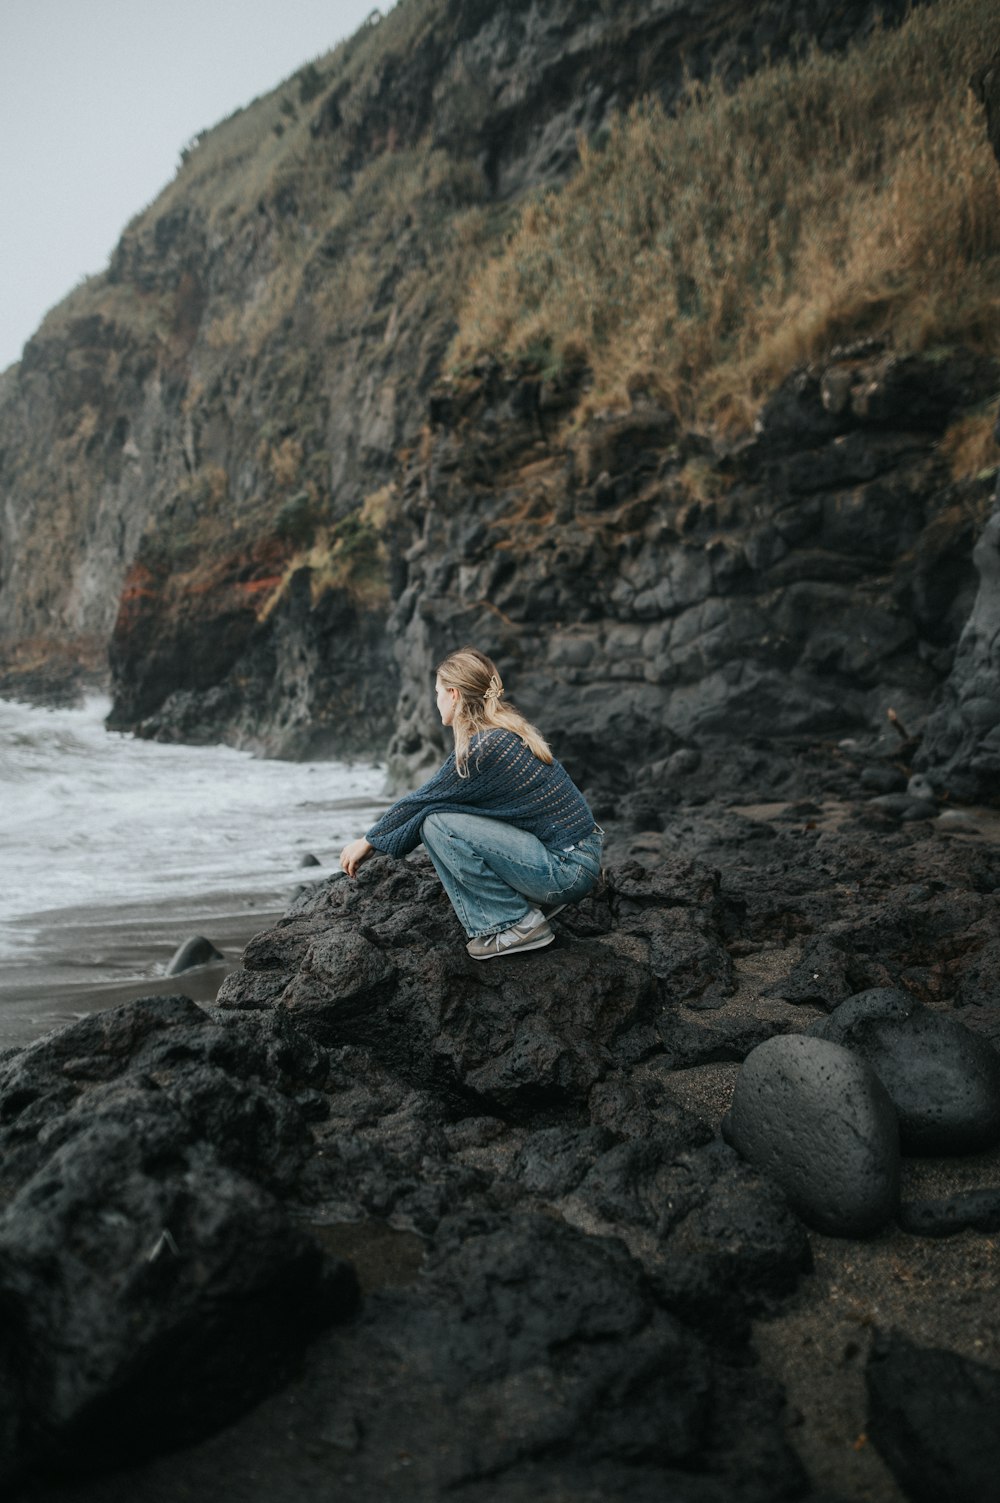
x: 651, y: 596
x: 961, y: 750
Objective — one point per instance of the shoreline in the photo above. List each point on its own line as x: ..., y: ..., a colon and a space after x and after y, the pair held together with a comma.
x: 96, y: 958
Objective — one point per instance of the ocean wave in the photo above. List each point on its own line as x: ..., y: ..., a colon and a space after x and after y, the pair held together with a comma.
x: 97, y: 817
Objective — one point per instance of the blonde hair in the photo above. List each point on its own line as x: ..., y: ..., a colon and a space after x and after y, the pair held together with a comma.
x: 481, y: 706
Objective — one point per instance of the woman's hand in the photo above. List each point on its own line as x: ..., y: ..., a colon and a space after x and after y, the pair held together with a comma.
x: 353, y: 854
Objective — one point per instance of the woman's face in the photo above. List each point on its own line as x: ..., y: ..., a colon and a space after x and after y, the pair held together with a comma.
x: 447, y: 702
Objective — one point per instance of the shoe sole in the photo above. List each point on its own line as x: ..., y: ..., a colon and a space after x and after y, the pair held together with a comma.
x: 533, y: 944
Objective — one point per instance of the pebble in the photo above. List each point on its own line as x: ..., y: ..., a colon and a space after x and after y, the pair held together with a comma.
x: 959, y: 820
x: 816, y: 1119
x: 920, y: 787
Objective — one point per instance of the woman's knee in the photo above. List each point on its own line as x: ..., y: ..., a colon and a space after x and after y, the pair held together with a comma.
x: 434, y: 828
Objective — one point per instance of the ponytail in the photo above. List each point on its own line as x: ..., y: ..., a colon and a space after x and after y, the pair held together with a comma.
x: 482, y: 707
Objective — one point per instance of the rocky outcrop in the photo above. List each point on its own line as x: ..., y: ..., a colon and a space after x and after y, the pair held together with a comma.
x: 961, y: 748
x: 152, y: 1282
x: 516, y: 86
x: 384, y: 973
x: 315, y: 678
x: 657, y: 601
x: 564, y: 1268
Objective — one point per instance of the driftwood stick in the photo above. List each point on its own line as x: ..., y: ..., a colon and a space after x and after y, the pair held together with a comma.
x: 897, y: 725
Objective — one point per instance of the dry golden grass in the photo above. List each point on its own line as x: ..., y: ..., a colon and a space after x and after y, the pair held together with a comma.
x: 970, y: 446
x: 714, y: 250
x: 349, y: 555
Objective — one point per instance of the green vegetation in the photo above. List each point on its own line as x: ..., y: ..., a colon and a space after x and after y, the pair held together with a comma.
x: 703, y: 255
x: 348, y: 555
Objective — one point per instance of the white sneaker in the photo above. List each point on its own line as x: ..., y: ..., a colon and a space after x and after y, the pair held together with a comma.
x: 530, y: 933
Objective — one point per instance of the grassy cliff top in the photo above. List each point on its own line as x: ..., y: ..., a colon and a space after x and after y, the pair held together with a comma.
x: 702, y: 254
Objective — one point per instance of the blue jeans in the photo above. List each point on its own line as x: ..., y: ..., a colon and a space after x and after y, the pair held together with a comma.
x: 494, y: 873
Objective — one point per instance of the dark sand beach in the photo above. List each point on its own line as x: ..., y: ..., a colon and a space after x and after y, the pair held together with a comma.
x: 89, y: 959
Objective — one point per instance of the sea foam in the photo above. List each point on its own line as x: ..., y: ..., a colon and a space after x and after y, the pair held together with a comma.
x: 89, y: 817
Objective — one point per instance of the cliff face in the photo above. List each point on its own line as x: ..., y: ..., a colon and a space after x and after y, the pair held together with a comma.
x: 961, y: 748
x: 190, y: 440
x: 662, y: 604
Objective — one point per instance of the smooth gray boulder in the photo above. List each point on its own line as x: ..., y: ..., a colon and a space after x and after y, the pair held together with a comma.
x: 817, y: 1120
x: 944, y: 1080
x: 875, y: 1002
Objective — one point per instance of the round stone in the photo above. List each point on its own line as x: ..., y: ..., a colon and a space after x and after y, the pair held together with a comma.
x: 876, y: 1002
x: 943, y: 1079
x: 817, y: 1120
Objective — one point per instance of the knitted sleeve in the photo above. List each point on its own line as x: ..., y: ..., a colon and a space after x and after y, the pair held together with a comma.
x: 505, y: 781
x: 398, y: 831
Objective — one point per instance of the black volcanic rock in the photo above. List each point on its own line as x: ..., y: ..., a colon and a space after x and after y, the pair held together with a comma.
x: 975, y: 1210
x: 943, y: 1081
x: 153, y: 1278
x: 932, y: 1416
x: 381, y: 964
x: 153, y: 1285
x: 566, y: 1270
x: 529, y: 1360
x: 961, y: 748
x: 828, y: 580
x: 192, y: 952
x: 147, y: 1305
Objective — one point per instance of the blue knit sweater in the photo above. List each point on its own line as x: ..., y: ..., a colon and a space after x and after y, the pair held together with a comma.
x: 506, y: 781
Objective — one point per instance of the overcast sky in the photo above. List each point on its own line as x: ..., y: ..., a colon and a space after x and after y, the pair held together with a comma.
x: 97, y: 97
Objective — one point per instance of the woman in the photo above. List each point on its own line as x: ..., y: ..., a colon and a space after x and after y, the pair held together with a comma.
x: 509, y: 833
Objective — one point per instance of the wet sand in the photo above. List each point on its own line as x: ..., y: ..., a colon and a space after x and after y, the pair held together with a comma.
x: 89, y: 959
